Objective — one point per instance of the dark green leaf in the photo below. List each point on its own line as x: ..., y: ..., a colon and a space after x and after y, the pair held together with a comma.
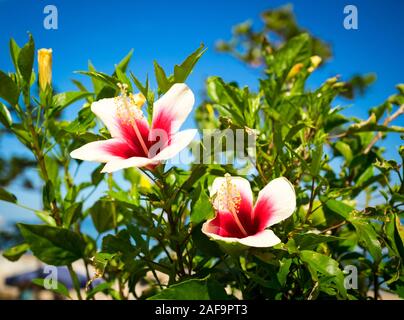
x: 367, y: 236
x: 195, y: 289
x: 7, y: 196
x: 54, y: 246
x: 312, y: 240
x: 326, y: 266
x: 103, y: 215
x: 26, y: 60
x: 8, y: 89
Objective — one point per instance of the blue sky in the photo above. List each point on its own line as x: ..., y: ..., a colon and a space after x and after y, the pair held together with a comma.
x: 104, y: 31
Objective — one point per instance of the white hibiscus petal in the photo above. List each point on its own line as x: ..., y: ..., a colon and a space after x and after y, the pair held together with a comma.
x: 178, y: 142
x: 276, y: 202
x: 119, y: 164
x: 175, y: 106
x: 97, y: 151
x: 262, y: 239
x: 106, y: 110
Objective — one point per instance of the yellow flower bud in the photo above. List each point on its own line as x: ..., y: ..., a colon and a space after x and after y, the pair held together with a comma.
x: 315, y: 62
x: 295, y: 70
x: 45, y: 68
x: 138, y: 99
x: 209, y: 108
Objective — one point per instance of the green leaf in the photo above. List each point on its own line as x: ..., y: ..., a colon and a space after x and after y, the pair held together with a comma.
x: 137, y: 236
x: 97, y: 84
x: 60, y: 287
x: 54, y: 246
x: 72, y: 213
x: 26, y: 60
x: 7, y: 196
x: 367, y: 236
x: 62, y: 100
x: 123, y: 78
x: 46, y: 217
x: 123, y: 64
x: 182, y: 71
x: 394, y: 238
x: 283, y: 271
x: 14, y: 253
x: 365, y: 176
x: 195, y: 289
x: 105, y: 286
x: 311, y: 240
x: 316, y: 155
x: 8, y: 89
x: 161, y: 78
x: 339, y: 207
x: 101, y: 77
x: 14, y: 52
x: 102, y: 215
x: 201, y: 207
x: 294, y: 51
x: 294, y: 130
x: 345, y: 150
x: 5, y: 116
x: 326, y: 266
x: 197, y: 173
x: 101, y: 260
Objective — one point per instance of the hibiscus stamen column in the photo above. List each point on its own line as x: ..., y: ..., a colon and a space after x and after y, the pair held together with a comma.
x: 129, y: 111
x: 229, y: 198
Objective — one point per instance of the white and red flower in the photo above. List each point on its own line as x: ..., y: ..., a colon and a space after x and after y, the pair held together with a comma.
x: 238, y: 221
x: 133, y: 142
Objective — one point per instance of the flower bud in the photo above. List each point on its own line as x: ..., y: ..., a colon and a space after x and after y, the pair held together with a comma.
x: 315, y: 62
x: 45, y: 68
x: 295, y: 70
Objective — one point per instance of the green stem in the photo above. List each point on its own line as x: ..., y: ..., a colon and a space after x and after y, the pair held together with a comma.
x: 76, y: 282
x: 113, y: 208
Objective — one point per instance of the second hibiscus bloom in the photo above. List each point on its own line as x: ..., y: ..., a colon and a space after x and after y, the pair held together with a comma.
x: 239, y: 221
x: 134, y: 143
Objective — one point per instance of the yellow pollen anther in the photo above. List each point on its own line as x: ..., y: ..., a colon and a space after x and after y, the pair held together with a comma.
x: 228, y: 198
x: 129, y: 110
x: 129, y: 105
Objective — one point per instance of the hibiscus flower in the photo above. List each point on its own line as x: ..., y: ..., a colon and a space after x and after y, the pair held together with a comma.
x: 133, y: 142
x: 237, y: 221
